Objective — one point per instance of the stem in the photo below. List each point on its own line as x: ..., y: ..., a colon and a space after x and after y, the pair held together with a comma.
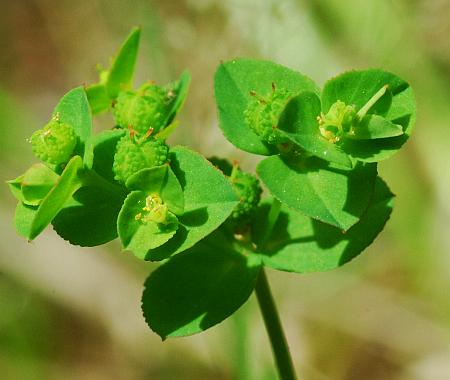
x: 278, y: 341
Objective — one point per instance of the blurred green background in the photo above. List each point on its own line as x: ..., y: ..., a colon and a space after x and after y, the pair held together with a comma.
x: 72, y: 313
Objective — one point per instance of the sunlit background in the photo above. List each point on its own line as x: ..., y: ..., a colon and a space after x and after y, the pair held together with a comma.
x: 73, y: 313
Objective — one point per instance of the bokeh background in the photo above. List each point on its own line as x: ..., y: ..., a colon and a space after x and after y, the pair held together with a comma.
x: 72, y: 313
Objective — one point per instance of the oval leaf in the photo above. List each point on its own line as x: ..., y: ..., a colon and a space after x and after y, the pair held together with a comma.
x: 323, y: 192
x: 90, y: 218
x: 233, y: 83
x: 208, y: 200
x: 160, y: 180
x: 197, y: 289
x: 54, y: 201
x: 375, y: 127
x: 37, y: 181
x: 301, y: 244
x: 357, y: 87
x: 98, y: 98
x: 138, y: 236
x: 299, y: 123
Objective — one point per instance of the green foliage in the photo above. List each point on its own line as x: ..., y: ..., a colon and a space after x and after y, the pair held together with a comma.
x: 301, y: 244
x: 199, y: 288
x: 320, y: 190
x: 31, y: 221
x: 205, y: 219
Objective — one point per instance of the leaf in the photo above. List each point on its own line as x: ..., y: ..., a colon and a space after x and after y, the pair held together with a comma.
x: 37, y: 181
x: 104, y: 150
x: 180, y: 88
x: 53, y: 202
x: 233, y: 82
x: 357, y: 87
x: 15, y: 186
x: 324, y: 192
x: 98, y: 98
x: 160, y: 180
x: 375, y: 127
x: 122, y: 69
x: 90, y: 218
x: 23, y: 219
x: 208, y: 200
x: 138, y: 236
x: 299, y: 123
x: 301, y: 244
x: 197, y: 289
x: 74, y: 110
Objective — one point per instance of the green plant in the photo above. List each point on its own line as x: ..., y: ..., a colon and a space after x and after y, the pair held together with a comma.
x: 326, y: 204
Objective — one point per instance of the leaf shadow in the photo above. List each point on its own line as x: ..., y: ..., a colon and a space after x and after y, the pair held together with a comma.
x: 359, y: 179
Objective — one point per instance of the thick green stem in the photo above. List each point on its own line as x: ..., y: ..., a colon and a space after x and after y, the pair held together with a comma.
x: 278, y: 341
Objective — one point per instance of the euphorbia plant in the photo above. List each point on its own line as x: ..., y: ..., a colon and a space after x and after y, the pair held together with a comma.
x: 205, y: 218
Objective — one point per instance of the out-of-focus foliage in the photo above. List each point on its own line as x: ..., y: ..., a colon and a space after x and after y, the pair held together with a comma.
x: 68, y: 313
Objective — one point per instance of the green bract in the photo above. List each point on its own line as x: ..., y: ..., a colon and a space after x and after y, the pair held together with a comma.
x: 361, y: 116
x: 55, y: 142
x: 135, y: 153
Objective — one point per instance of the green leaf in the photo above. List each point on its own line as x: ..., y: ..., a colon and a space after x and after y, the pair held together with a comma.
x: 299, y: 123
x: 104, y: 150
x: 15, y: 186
x: 98, y: 98
x: 357, y: 87
x: 208, y: 200
x: 321, y: 191
x: 23, y: 219
x: 180, y: 88
x: 235, y: 80
x: 53, y: 202
x: 37, y: 181
x: 301, y: 244
x: 197, y: 289
x: 160, y: 180
x: 122, y: 69
x: 90, y: 218
x: 375, y: 127
x: 74, y: 110
x: 138, y: 236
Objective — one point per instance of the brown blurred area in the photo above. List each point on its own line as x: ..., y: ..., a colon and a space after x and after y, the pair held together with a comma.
x: 73, y: 313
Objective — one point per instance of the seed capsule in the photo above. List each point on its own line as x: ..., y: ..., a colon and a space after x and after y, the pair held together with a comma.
x: 55, y: 143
